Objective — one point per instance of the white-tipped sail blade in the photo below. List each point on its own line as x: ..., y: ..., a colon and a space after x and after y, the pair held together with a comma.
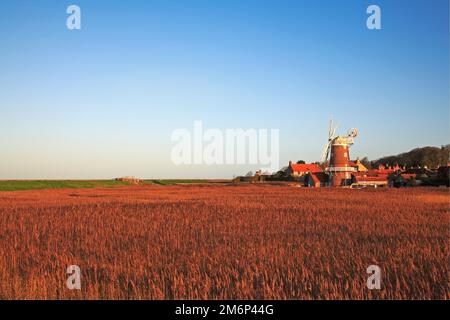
x: 334, y: 132
x: 325, y: 151
x: 330, y: 129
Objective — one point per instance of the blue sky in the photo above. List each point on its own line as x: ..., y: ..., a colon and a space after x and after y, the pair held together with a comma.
x: 103, y: 101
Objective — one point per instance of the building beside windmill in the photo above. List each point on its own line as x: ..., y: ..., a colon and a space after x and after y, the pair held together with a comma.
x: 316, y: 179
x: 301, y: 169
x: 358, y: 165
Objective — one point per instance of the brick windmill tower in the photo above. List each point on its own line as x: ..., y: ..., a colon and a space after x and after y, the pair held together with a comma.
x: 337, y: 147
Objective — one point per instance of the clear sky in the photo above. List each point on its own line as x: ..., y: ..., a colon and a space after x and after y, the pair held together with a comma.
x: 102, y: 101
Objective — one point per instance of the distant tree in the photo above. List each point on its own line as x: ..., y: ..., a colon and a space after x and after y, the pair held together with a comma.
x: 249, y: 174
x: 445, y: 154
x: 301, y: 162
x: 432, y: 157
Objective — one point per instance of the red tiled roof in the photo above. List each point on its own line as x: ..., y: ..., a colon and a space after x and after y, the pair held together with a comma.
x: 371, y: 173
x: 306, y: 168
x: 366, y: 179
x: 361, y: 174
x: 384, y: 171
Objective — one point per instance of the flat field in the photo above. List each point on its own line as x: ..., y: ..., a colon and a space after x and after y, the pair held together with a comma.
x: 17, y: 185
x: 224, y: 242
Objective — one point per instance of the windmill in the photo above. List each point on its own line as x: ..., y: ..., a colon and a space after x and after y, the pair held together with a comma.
x: 337, y: 148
